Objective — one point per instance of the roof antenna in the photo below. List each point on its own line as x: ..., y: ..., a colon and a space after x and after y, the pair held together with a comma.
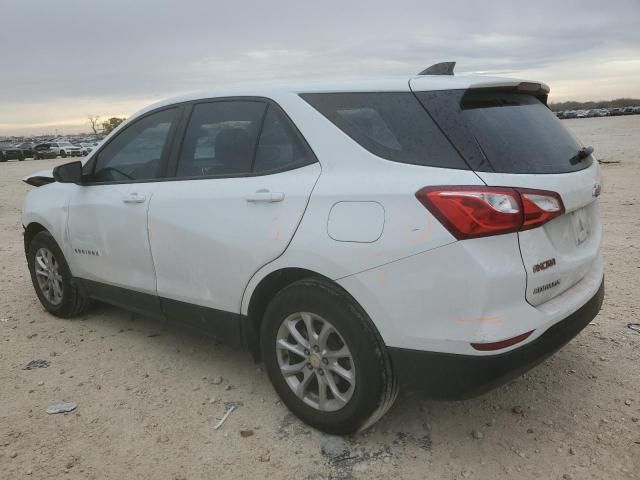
x: 442, y: 68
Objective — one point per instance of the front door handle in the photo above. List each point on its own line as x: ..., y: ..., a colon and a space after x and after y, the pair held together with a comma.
x: 134, y: 198
x: 265, y: 196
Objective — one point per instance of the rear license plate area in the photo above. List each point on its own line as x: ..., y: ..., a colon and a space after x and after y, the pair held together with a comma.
x: 581, y: 225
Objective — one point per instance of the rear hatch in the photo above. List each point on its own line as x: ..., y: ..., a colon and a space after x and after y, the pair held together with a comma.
x: 509, y: 138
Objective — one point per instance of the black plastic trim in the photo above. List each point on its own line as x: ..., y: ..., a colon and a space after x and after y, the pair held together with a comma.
x: 444, y: 376
x: 139, y: 302
x: 225, y: 326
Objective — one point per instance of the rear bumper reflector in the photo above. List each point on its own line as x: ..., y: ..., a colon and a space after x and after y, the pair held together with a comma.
x: 484, y: 347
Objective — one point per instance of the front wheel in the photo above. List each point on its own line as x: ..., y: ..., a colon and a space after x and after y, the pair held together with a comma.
x: 51, y: 278
x: 325, y: 358
x: 63, y: 154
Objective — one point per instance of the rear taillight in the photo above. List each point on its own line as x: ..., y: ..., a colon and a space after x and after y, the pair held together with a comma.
x: 471, y: 212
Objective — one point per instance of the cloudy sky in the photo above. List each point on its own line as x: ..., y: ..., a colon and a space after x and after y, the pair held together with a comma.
x: 64, y: 60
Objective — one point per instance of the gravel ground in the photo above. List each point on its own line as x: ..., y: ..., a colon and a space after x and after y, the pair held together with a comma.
x: 149, y: 395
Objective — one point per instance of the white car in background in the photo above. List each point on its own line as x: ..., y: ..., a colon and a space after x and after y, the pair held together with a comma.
x: 87, y: 148
x: 66, y: 149
x: 435, y: 232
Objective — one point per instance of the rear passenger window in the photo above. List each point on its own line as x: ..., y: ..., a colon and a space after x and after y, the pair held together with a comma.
x: 279, y: 147
x: 391, y: 125
x: 221, y: 138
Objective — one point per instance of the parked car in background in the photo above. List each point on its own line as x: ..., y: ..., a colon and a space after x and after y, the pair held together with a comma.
x: 87, y: 148
x: 467, y: 253
x: 67, y: 149
x: 10, y: 152
x: 615, y: 111
x: 570, y: 114
x: 44, y: 150
x: 27, y: 149
x: 627, y: 111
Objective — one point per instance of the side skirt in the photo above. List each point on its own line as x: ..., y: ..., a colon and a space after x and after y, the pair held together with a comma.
x: 220, y: 324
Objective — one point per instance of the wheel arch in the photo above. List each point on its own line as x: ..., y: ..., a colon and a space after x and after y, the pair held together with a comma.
x: 263, y: 293
x: 31, y: 231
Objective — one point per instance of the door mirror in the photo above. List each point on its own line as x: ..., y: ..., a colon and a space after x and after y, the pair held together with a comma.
x: 68, y: 173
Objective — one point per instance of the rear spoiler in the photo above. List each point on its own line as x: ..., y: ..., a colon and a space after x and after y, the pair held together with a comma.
x: 538, y: 90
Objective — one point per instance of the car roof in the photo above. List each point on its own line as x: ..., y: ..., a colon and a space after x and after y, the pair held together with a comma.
x: 380, y: 84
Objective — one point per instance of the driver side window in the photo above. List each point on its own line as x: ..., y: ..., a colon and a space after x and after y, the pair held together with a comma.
x: 137, y: 152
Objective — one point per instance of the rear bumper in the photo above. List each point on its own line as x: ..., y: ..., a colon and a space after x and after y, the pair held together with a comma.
x: 455, y: 377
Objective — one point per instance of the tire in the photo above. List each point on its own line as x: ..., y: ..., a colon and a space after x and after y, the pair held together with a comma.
x: 70, y: 301
x: 63, y: 154
x: 360, y: 402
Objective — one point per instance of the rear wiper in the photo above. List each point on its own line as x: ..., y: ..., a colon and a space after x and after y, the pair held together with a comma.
x: 583, y: 153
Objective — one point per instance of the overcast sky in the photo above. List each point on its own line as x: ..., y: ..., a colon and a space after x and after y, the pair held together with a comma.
x: 63, y: 60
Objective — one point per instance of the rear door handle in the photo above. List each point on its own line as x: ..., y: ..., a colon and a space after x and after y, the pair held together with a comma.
x: 134, y: 198
x: 265, y: 196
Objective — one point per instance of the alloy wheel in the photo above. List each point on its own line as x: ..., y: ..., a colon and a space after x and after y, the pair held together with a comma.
x: 315, y: 361
x: 48, y: 276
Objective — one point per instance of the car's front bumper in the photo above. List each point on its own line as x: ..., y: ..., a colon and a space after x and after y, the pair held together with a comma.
x: 454, y: 377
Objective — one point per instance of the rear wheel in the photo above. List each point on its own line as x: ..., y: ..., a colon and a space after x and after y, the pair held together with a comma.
x: 63, y: 154
x: 325, y: 358
x: 51, y: 278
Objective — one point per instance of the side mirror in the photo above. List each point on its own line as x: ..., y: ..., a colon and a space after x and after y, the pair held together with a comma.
x: 68, y: 173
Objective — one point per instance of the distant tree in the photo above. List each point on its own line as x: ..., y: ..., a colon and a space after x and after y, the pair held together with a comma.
x: 111, y: 124
x: 93, y: 123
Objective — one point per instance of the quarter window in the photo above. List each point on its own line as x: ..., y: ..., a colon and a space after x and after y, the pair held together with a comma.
x: 279, y: 146
x: 137, y: 152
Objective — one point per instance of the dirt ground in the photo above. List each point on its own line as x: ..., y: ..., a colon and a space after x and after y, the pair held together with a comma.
x: 149, y: 395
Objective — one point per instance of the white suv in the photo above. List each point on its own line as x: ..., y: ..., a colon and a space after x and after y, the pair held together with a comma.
x: 433, y: 232
x: 65, y: 149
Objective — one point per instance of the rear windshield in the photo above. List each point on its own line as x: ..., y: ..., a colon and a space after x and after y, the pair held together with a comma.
x: 505, y: 132
x: 391, y: 125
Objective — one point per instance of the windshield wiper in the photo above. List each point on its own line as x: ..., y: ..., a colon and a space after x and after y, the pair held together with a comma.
x: 583, y: 153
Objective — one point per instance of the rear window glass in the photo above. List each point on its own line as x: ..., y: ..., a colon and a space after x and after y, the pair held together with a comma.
x: 505, y: 132
x: 391, y: 125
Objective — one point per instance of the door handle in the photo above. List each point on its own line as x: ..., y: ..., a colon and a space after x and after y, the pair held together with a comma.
x: 265, y: 196
x: 134, y: 198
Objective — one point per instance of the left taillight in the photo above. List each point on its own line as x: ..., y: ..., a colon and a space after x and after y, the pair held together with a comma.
x: 472, y: 212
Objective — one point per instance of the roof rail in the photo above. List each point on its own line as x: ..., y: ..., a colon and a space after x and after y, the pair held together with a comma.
x: 442, y: 68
